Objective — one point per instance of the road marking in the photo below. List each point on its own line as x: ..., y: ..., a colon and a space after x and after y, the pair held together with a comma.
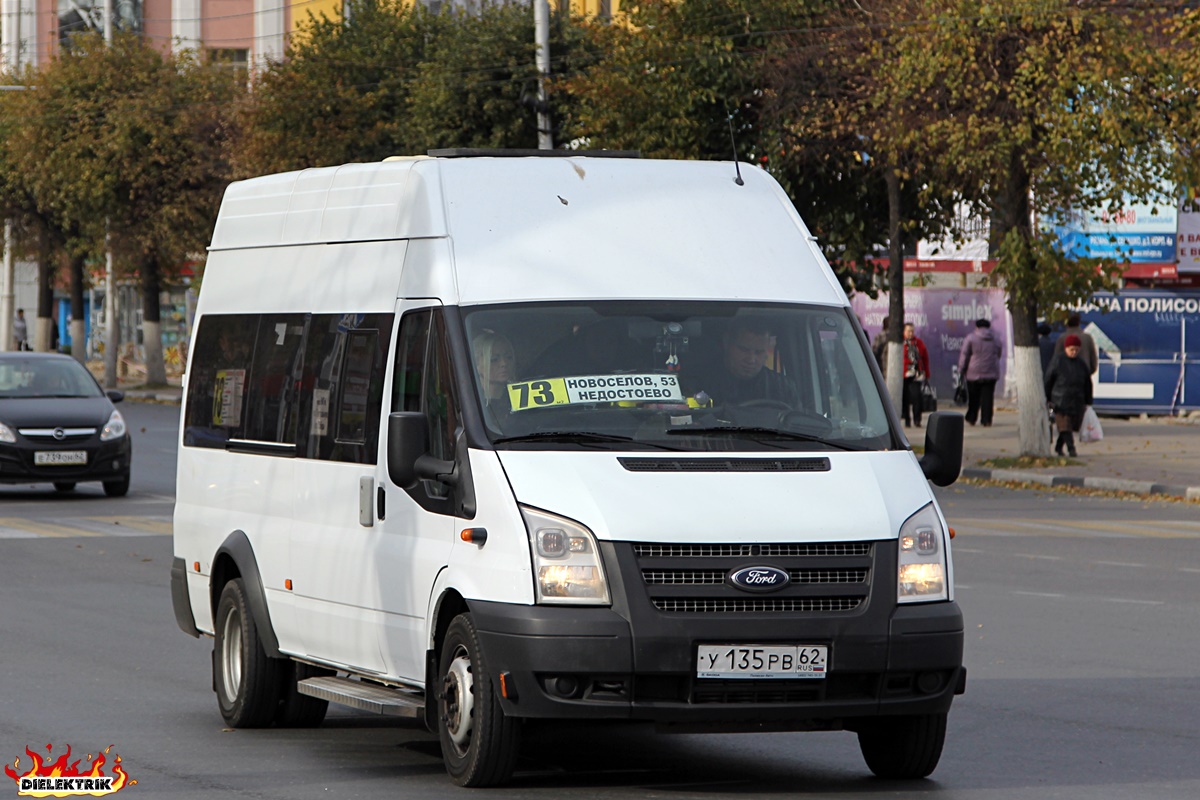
x: 1135, y: 602
x: 23, y: 528
x: 1039, y: 594
x: 1038, y: 556
x: 1119, y: 564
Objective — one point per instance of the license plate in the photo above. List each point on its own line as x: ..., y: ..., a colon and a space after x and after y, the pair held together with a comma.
x: 56, y: 458
x: 761, y: 661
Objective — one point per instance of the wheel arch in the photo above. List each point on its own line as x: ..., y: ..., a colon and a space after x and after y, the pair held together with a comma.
x: 235, y: 559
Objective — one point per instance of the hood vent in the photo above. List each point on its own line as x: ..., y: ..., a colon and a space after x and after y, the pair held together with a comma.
x: 725, y: 464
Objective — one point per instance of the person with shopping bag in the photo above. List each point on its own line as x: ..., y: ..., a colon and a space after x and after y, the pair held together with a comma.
x: 1069, y: 391
x: 916, y: 372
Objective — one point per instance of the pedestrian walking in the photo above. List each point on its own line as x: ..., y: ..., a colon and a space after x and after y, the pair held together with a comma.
x: 1087, y: 345
x: 979, y: 366
x: 20, y: 331
x: 1069, y: 391
x: 879, y: 347
x: 916, y: 372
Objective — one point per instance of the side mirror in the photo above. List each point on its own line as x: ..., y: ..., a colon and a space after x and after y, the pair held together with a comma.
x: 407, y: 440
x: 943, y: 447
x: 115, y: 396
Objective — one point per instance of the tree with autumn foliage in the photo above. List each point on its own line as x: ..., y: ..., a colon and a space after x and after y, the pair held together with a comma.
x: 394, y: 78
x: 122, y: 140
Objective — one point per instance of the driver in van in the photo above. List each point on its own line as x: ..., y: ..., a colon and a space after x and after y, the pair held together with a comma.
x: 743, y: 375
x: 496, y: 364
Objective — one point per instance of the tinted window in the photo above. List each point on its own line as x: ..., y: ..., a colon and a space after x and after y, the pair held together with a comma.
x: 315, y: 381
x: 45, y: 377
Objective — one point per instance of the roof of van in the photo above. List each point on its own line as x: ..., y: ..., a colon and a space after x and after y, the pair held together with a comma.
x: 552, y: 228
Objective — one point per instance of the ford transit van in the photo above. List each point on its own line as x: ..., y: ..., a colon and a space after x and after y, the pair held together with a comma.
x: 480, y: 439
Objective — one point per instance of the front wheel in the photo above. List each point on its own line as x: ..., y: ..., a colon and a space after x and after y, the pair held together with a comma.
x: 117, y: 488
x: 903, y: 747
x: 479, y: 743
x: 246, y: 679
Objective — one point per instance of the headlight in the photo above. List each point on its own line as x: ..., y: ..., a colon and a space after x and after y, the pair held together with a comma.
x: 566, y: 563
x: 6, y: 434
x: 922, y: 546
x: 114, y: 428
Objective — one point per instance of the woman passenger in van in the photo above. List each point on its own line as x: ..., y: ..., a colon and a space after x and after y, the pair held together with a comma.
x: 496, y: 366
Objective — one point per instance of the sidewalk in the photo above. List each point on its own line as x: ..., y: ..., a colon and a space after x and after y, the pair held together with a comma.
x: 1141, y: 455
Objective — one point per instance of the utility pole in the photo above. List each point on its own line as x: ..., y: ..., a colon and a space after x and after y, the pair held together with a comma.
x: 110, y: 290
x: 541, y: 24
x: 9, y: 293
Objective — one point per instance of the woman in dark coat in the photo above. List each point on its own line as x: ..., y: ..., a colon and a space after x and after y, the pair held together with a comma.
x: 1069, y: 390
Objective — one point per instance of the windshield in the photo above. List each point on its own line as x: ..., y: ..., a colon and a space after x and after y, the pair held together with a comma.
x: 675, y: 375
x: 45, y: 377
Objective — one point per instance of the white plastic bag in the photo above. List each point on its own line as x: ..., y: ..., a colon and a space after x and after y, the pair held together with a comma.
x: 1090, y: 430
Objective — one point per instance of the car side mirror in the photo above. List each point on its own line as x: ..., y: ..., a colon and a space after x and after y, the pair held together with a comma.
x: 943, y: 447
x: 115, y: 395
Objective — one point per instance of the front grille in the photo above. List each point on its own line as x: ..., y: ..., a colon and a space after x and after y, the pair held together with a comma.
x: 715, y: 578
x: 76, y: 436
x: 694, y: 578
x: 756, y: 605
x: 751, y: 550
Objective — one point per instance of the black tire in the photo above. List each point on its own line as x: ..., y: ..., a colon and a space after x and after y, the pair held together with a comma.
x: 246, y: 680
x: 904, y: 748
x: 479, y: 743
x: 117, y: 488
x: 64, y: 486
x: 297, y: 710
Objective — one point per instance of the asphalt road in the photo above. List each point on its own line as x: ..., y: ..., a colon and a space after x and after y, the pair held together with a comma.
x: 1083, y: 651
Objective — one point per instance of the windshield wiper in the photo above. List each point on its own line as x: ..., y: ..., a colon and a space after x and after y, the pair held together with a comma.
x: 759, y: 433
x: 577, y: 436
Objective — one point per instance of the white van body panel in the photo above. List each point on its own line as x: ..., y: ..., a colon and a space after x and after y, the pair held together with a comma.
x: 863, y: 497
x: 320, y: 279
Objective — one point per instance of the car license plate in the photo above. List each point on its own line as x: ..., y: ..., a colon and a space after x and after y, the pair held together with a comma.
x: 761, y: 661
x: 60, y: 458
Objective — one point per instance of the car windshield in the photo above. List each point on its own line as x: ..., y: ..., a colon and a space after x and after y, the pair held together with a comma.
x: 45, y: 377
x: 674, y: 375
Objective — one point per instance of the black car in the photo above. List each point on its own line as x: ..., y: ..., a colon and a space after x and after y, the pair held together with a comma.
x: 58, y: 426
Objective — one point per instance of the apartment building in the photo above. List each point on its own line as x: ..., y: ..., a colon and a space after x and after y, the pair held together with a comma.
x: 242, y: 33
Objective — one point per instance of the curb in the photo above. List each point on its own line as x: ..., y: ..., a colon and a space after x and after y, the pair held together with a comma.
x: 1105, y: 484
x: 154, y: 397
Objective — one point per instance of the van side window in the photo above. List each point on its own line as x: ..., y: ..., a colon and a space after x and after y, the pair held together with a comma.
x: 270, y: 413
x: 221, y: 358
x: 315, y: 381
x: 341, y: 386
x: 410, y: 361
x: 423, y: 380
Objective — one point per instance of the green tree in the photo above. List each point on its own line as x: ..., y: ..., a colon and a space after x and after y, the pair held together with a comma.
x: 397, y: 79
x: 123, y: 139
x: 1038, y: 107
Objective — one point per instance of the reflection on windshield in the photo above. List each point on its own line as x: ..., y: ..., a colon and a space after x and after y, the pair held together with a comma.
x: 677, y: 375
x: 45, y: 378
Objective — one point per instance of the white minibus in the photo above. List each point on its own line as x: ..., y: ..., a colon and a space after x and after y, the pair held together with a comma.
x: 477, y: 438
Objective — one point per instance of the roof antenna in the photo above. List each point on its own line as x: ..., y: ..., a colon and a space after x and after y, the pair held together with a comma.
x: 736, y: 168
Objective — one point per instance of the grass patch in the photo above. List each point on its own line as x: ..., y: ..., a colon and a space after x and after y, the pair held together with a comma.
x: 1029, y: 462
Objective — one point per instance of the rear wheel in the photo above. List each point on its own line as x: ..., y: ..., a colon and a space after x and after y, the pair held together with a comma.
x: 247, y: 681
x: 117, y: 488
x: 64, y: 486
x: 903, y: 747
x: 479, y: 743
x: 297, y: 710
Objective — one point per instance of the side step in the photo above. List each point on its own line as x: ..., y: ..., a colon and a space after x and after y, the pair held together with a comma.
x: 365, y: 696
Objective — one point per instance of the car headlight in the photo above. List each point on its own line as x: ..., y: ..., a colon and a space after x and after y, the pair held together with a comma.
x: 566, y: 562
x: 922, y: 570
x: 114, y: 428
x: 6, y: 434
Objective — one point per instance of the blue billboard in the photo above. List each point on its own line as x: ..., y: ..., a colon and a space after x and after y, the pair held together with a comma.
x: 1149, y: 343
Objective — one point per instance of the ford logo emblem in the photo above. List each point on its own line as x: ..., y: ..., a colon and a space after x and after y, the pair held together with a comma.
x: 759, y: 579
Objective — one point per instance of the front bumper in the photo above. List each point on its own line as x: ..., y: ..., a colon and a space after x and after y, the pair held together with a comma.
x: 106, y: 461
x: 634, y: 661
